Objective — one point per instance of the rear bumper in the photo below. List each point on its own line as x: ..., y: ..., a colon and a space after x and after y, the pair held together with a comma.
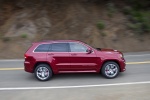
x: 28, y: 67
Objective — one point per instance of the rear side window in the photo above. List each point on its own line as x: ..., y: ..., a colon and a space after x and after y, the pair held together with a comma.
x: 42, y: 48
x: 59, y: 47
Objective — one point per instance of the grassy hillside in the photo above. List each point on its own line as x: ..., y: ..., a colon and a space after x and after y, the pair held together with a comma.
x: 122, y: 25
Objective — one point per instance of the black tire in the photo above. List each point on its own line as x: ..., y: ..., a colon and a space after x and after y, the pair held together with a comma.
x: 110, y: 70
x: 43, y: 72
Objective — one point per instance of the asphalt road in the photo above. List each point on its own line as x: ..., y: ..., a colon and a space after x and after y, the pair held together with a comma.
x: 15, y: 84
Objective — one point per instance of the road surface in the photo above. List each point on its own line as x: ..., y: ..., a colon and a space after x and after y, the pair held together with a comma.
x: 133, y: 84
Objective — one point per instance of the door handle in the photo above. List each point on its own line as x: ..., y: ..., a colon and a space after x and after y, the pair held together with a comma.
x: 73, y: 54
x: 50, y: 54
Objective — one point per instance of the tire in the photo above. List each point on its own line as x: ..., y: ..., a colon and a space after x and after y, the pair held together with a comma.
x: 43, y: 72
x: 110, y: 70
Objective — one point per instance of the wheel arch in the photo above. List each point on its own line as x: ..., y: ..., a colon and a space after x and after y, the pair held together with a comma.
x: 37, y: 63
x: 110, y: 60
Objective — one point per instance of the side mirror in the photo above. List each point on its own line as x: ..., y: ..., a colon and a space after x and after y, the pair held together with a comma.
x: 89, y: 50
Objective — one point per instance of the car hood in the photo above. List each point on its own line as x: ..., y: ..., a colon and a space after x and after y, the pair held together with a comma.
x: 108, y: 50
x: 103, y: 49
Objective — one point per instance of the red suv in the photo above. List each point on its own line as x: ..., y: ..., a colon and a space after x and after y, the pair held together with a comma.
x: 70, y: 56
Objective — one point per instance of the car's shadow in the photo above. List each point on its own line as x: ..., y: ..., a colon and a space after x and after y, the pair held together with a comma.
x: 77, y: 75
x: 74, y: 76
x: 96, y: 76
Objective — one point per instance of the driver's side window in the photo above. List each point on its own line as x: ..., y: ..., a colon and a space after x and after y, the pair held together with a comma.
x: 77, y: 47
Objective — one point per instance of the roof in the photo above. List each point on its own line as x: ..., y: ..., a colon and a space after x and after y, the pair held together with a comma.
x: 51, y: 41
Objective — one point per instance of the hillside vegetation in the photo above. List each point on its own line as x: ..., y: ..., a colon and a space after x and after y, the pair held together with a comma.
x: 117, y: 24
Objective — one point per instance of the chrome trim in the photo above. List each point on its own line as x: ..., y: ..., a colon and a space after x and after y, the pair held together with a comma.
x: 26, y: 62
x: 111, y: 70
x: 87, y: 46
x: 64, y: 52
x: 38, y: 46
x: 42, y: 73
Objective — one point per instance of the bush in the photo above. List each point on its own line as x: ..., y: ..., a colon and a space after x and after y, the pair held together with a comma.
x: 139, y: 20
x: 111, y: 9
x: 24, y: 36
x: 127, y: 10
x: 139, y: 4
x: 101, y: 25
x: 146, y: 27
x: 136, y: 27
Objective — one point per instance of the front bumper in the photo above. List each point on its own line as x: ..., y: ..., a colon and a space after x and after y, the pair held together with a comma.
x: 122, y: 65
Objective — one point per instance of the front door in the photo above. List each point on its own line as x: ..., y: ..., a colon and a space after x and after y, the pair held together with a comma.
x: 80, y: 60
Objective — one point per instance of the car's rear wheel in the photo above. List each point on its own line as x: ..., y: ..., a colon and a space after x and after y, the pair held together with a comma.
x: 43, y: 72
x: 110, y: 69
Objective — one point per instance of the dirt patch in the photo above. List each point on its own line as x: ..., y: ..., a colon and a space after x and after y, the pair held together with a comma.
x: 30, y: 21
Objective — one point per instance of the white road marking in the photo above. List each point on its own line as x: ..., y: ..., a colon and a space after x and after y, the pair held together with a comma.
x: 5, y: 69
x: 21, y: 68
x: 137, y: 55
x: 11, y: 60
x: 67, y: 87
x: 143, y: 62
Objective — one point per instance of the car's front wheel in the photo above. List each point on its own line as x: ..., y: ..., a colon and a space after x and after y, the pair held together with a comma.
x: 110, y: 70
x: 43, y: 72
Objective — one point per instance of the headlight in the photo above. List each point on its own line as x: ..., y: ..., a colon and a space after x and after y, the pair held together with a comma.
x: 121, y: 55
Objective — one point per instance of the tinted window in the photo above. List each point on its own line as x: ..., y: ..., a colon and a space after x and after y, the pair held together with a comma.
x: 59, y: 47
x: 76, y: 47
x: 42, y: 48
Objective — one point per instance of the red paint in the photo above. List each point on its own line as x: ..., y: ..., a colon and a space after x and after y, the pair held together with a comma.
x: 72, y: 62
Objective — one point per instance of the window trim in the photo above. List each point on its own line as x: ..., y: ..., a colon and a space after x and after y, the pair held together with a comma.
x: 59, y: 43
x: 81, y: 44
x: 69, y: 50
x: 38, y: 46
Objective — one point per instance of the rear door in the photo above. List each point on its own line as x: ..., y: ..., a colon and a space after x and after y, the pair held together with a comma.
x: 58, y: 56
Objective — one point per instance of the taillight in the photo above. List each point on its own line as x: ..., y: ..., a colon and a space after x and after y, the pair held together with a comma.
x: 25, y: 56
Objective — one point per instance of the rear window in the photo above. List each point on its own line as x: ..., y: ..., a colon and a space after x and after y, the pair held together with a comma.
x: 42, y: 48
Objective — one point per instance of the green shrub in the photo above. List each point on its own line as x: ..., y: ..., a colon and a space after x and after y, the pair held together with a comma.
x: 139, y: 4
x: 111, y: 9
x: 146, y: 27
x: 110, y: 14
x: 139, y: 20
x: 127, y: 10
x: 101, y: 25
x: 24, y: 36
x: 138, y: 27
